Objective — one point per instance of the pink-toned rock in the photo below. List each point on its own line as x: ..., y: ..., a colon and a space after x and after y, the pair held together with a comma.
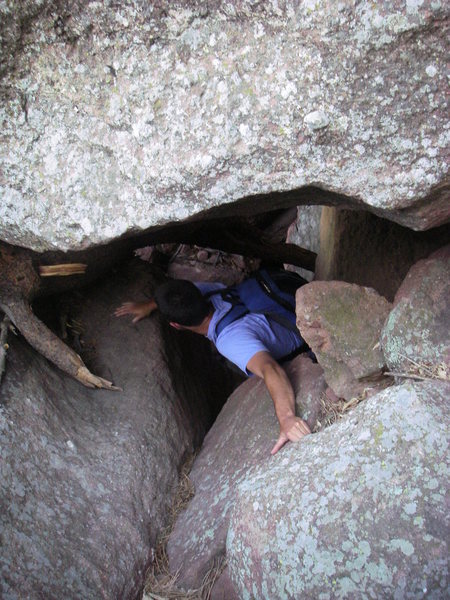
x: 416, y: 331
x: 239, y: 441
x: 342, y: 323
x: 224, y: 588
x: 359, y: 512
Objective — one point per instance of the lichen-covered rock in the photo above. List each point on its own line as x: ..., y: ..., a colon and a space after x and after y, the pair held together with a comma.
x: 342, y: 323
x: 417, y: 330
x: 116, y: 118
x: 240, y: 440
x: 87, y: 475
x: 356, y: 511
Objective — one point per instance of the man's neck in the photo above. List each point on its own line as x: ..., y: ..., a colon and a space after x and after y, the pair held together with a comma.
x: 202, y: 329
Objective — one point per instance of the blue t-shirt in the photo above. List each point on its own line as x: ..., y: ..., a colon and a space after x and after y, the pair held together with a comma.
x: 250, y: 334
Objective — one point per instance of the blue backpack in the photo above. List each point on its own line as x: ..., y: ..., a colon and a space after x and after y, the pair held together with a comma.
x: 271, y: 293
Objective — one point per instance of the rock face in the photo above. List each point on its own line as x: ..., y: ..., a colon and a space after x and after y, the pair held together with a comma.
x: 358, y: 247
x: 416, y: 331
x: 342, y: 324
x: 356, y: 510
x: 305, y: 232
x: 87, y: 476
x: 239, y: 441
x: 119, y: 118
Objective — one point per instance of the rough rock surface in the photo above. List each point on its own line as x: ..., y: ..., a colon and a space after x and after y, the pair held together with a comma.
x: 358, y: 247
x: 342, y: 323
x: 305, y: 232
x: 356, y: 511
x: 417, y: 330
x: 240, y: 440
x: 224, y: 589
x: 86, y: 476
x: 116, y: 118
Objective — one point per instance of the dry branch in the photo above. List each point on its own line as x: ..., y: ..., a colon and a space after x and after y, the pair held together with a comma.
x: 414, y: 376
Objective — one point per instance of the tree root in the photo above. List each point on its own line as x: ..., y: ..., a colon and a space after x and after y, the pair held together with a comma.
x: 50, y: 346
x: 19, y: 284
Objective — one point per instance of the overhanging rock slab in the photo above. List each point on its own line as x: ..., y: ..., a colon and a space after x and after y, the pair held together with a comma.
x: 115, y: 120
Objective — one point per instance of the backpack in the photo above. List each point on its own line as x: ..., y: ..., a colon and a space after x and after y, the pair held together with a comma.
x: 271, y: 293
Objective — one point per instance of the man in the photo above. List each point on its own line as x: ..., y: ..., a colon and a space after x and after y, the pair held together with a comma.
x: 253, y: 342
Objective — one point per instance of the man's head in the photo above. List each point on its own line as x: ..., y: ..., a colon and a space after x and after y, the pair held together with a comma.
x: 181, y: 302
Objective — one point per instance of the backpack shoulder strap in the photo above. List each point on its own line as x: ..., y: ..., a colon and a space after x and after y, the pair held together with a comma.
x: 236, y: 310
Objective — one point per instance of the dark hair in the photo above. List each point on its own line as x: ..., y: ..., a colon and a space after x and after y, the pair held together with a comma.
x: 181, y: 302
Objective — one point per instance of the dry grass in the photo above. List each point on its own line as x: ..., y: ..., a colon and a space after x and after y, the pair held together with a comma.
x: 333, y: 410
x: 423, y: 371
x: 161, y: 583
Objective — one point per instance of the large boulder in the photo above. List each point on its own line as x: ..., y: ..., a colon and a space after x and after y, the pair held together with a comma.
x: 416, y: 333
x: 239, y: 441
x: 87, y: 475
x: 355, y: 511
x: 117, y: 118
x: 342, y: 324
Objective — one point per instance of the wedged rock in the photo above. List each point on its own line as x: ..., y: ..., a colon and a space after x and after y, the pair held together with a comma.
x: 357, y: 511
x: 417, y: 329
x: 342, y: 323
x: 240, y: 440
x: 119, y: 118
x: 86, y: 475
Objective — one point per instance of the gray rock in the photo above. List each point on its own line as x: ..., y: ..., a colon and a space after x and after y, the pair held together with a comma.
x: 87, y: 476
x: 119, y: 118
x: 305, y: 232
x: 355, y: 511
x: 317, y: 119
x: 416, y: 331
x: 240, y: 440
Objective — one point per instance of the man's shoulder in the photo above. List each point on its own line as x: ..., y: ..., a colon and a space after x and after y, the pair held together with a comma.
x: 208, y: 286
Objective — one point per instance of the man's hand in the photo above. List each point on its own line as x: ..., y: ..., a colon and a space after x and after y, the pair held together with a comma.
x: 292, y: 429
x: 139, y: 310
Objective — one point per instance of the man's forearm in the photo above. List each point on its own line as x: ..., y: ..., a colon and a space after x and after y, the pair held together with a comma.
x: 292, y: 428
x: 280, y: 390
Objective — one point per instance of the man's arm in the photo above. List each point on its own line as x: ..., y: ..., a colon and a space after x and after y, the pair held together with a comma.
x: 292, y: 428
x: 139, y: 310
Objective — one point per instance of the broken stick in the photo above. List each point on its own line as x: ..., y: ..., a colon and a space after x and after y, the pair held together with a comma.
x: 62, y: 270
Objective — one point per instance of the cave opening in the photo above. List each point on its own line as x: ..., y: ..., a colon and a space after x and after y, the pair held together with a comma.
x: 130, y: 445
x: 353, y: 246
x: 225, y: 250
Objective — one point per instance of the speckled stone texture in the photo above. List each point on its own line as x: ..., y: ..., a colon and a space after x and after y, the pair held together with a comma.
x: 356, y: 511
x: 87, y: 476
x: 118, y: 117
x: 417, y: 330
x: 342, y: 323
x: 239, y: 441
x: 305, y: 232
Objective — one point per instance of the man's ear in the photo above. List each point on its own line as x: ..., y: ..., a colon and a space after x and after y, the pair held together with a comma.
x: 175, y: 325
